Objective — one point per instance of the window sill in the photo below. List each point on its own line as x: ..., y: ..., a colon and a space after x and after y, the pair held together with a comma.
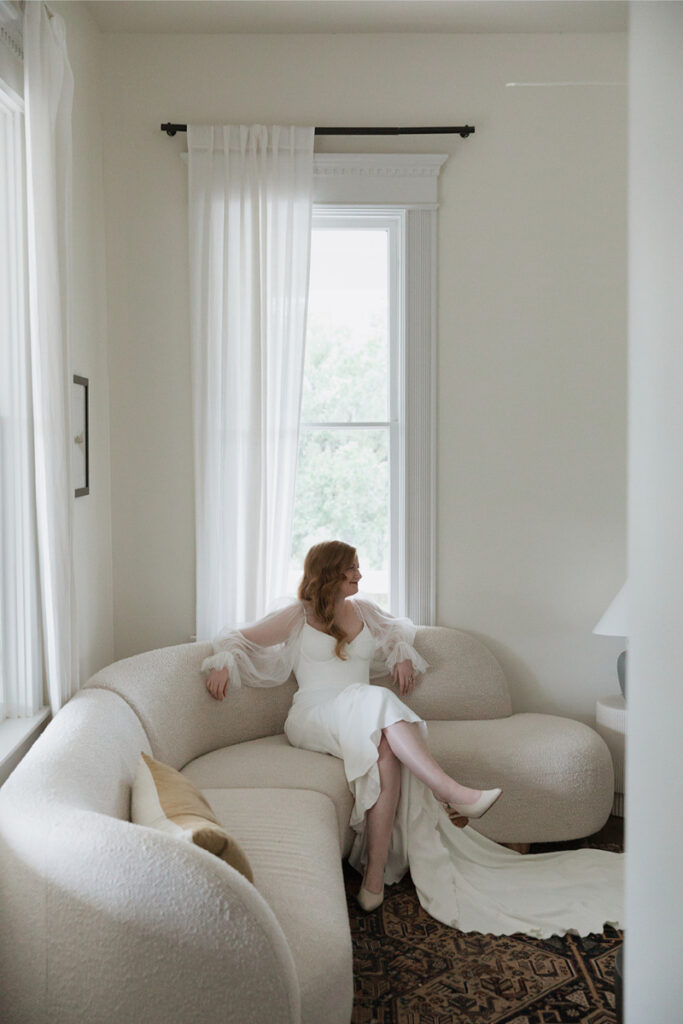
x: 16, y: 737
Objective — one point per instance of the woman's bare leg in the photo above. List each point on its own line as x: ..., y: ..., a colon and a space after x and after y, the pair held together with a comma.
x: 406, y: 742
x: 380, y: 818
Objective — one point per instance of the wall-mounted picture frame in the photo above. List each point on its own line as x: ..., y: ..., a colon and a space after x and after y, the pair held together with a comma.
x: 80, y: 453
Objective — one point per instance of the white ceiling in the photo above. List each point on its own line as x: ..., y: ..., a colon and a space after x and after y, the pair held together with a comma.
x: 256, y: 16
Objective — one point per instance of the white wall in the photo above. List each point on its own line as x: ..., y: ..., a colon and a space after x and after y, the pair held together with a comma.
x: 654, y: 763
x: 532, y: 335
x: 92, y: 512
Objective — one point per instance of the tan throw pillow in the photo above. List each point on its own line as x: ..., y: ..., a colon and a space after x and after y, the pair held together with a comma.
x: 164, y: 799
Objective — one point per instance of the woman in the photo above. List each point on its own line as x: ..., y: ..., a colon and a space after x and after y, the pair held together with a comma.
x: 405, y: 805
x: 335, y: 703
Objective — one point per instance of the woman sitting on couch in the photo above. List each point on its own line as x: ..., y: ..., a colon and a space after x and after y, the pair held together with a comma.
x: 405, y: 805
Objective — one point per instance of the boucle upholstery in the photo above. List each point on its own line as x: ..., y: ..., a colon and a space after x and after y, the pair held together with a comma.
x: 105, y: 921
x: 464, y: 680
x: 290, y: 839
x: 183, y: 722
x: 557, y: 774
x: 272, y: 762
x: 88, y: 760
x: 166, y: 690
x: 166, y: 800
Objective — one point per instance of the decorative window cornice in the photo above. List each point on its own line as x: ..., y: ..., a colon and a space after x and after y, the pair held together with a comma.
x: 389, y: 165
x: 401, y: 178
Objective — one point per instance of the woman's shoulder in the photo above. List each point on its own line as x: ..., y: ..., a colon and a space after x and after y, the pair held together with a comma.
x: 369, y: 612
x: 282, y: 625
x: 287, y: 609
x: 365, y: 604
x: 379, y: 619
x: 287, y: 602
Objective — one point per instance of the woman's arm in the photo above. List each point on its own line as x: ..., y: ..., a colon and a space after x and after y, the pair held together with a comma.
x: 260, y: 655
x: 394, y: 638
x: 274, y: 629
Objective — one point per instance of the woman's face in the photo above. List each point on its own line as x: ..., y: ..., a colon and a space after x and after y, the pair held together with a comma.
x: 352, y: 577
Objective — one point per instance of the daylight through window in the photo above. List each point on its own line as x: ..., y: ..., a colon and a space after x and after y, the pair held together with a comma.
x: 350, y: 427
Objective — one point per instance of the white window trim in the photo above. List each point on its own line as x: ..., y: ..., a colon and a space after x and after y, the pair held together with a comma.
x: 17, y: 736
x: 388, y: 184
x: 10, y: 100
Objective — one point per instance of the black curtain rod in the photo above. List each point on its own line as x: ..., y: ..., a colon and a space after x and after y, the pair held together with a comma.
x: 462, y: 130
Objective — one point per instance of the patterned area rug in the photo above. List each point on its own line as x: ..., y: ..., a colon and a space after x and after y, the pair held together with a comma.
x: 410, y: 969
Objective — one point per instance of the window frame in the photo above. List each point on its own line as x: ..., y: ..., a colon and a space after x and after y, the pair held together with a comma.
x: 391, y: 220
x: 18, y: 731
x: 403, y: 186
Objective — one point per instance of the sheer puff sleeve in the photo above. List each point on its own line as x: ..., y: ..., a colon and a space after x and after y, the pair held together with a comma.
x: 261, y: 654
x: 394, y: 638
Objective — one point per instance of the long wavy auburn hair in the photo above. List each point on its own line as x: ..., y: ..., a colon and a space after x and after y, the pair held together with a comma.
x: 324, y: 568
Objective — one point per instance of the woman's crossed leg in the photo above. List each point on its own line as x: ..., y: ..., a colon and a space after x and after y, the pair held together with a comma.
x: 401, y: 743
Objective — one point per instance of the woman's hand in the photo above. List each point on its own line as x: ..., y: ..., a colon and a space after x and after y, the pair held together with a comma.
x: 404, y: 676
x: 218, y: 682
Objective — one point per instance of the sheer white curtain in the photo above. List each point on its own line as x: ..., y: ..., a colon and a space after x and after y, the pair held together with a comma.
x: 21, y: 668
x: 48, y: 94
x: 250, y: 205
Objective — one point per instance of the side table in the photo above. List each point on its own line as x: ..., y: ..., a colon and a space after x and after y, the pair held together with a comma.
x: 610, y: 722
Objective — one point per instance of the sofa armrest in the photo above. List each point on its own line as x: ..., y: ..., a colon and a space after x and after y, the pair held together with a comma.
x: 107, y: 921
x: 464, y: 680
x: 556, y: 774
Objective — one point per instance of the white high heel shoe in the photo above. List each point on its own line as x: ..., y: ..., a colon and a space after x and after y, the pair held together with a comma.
x: 370, y: 901
x: 480, y: 806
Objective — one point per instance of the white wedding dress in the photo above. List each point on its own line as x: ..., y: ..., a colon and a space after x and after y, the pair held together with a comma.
x: 461, y: 878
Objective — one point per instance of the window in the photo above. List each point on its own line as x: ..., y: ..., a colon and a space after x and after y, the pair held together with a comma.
x: 351, y: 426
x: 366, y: 453
x: 21, y: 685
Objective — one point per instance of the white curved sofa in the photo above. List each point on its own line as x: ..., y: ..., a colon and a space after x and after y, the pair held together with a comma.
x: 104, y: 921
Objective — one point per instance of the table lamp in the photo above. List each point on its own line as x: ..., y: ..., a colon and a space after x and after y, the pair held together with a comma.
x: 615, y: 623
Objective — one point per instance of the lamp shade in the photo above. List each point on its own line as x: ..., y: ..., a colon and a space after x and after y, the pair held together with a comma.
x: 615, y: 620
